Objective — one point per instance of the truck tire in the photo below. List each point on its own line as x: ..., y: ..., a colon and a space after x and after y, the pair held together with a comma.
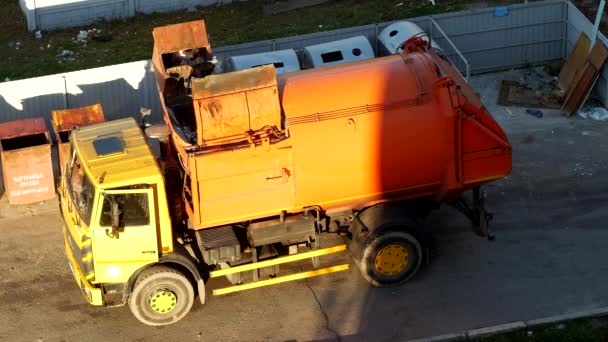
x: 390, y: 258
x: 161, y: 296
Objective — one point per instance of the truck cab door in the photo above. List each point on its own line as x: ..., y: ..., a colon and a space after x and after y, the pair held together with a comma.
x: 131, y: 242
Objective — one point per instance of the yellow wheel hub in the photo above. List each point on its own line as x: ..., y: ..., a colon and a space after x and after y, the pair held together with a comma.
x: 163, y: 301
x: 391, y: 260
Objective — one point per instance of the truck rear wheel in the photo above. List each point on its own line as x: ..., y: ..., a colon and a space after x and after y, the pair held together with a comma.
x: 390, y: 258
x: 161, y: 296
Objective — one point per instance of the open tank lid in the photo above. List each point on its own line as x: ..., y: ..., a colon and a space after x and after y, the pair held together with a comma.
x: 19, y: 128
x: 66, y: 119
x: 188, y: 35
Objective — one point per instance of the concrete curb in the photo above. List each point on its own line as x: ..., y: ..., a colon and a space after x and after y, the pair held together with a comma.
x: 508, y: 327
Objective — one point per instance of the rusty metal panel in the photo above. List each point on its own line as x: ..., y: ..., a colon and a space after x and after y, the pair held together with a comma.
x: 173, y: 38
x: 263, y: 108
x: 243, y: 80
x: 18, y: 128
x: 25, y: 151
x: 230, y: 105
x: 65, y: 120
x: 223, y: 117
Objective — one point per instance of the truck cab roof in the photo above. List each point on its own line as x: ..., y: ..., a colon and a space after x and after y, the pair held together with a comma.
x: 115, y: 154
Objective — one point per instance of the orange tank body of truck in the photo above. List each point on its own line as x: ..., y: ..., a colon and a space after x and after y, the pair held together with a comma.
x: 254, y: 145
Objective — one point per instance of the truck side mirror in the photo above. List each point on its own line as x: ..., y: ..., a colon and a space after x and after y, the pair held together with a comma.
x: 115, y: 215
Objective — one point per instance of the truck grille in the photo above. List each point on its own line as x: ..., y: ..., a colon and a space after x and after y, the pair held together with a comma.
x: 84, y: 256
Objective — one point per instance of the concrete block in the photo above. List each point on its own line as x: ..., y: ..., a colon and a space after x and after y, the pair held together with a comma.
x: 496, y: 329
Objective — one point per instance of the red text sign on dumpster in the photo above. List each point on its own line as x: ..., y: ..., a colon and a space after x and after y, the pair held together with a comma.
x: 25, y: 151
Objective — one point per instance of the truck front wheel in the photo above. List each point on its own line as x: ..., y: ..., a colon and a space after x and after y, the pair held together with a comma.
x: 161, y: 296
x: 390, y: 258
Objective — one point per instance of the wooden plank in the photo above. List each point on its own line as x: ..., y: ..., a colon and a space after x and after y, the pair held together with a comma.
x: 583, y: 83
x: 575, y: 62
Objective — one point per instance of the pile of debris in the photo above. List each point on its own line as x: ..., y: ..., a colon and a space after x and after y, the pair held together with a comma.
x: 84, y: 37
x: 567, y: 88
x: 535, y: 89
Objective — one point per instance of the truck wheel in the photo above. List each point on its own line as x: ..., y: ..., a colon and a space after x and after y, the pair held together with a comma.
x: 390, y: 258
x: 161, y: 296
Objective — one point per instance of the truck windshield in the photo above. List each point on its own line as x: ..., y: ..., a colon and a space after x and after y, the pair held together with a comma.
x: 80, y: 187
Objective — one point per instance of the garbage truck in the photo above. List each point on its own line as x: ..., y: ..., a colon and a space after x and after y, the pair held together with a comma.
x: 256, y: 171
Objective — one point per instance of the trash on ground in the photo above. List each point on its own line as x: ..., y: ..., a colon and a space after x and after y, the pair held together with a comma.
x: 535, y: 112
x: 92, y: 34
x: 593, y: 112
x: 533, y: 91
x: 10, y: 45
x: 38, y: 34
x: 66, y: 56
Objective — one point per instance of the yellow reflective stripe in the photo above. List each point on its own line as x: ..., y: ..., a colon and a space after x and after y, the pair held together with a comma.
x: 87, y: 258
x: 277, y: 261
x: 87, y: 242
x: 90, y: 276
x: 279, y: 280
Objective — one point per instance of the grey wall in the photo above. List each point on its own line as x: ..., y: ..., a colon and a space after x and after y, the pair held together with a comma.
x: 532, y: 33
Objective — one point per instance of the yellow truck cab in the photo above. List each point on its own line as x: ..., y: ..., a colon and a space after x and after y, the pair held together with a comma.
x: 117, y: 225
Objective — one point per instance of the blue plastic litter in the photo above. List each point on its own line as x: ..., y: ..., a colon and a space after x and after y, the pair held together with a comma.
x: 502, y: 11
x: 535, y: 112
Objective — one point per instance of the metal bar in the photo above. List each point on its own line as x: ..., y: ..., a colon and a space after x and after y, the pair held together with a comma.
x: 277, y: 261
x: 565, y: 30
x: 596, y: 26
x: 453, y: 46
x: 279, y: 280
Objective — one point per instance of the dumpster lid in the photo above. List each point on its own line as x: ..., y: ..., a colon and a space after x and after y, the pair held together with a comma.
x: 173, y: 38
x: 66, y: 119
x: 233, y: 82
x: 19, y: 128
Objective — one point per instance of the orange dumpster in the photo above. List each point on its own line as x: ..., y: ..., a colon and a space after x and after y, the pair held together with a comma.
x: 67, y: 119
x: 25, y: 150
